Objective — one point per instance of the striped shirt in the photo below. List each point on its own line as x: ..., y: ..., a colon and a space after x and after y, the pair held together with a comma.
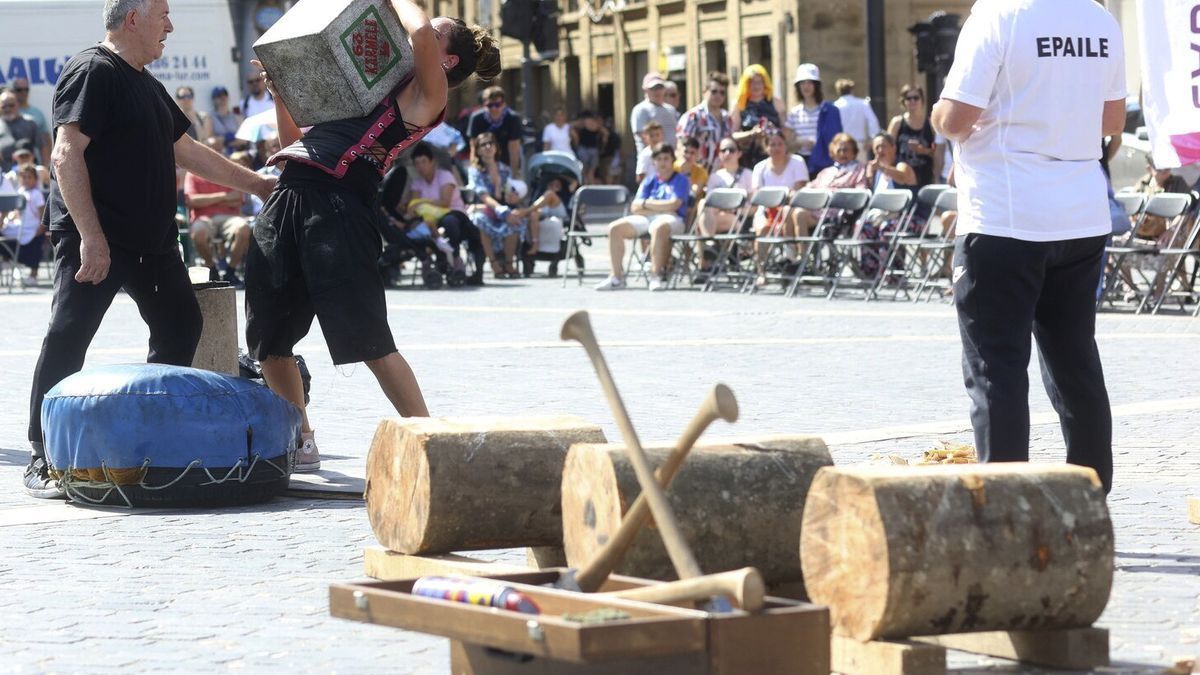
x: 700, y: 124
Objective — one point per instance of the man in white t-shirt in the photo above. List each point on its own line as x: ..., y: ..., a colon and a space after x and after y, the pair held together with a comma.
x: 858, y: 118
x: 1035, y: 86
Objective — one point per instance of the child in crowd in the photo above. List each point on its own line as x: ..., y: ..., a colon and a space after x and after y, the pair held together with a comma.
x: 24, y: 229
x: 652, y: 136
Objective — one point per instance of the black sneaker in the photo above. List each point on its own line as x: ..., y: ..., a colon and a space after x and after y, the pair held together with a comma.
x: 38, y: 482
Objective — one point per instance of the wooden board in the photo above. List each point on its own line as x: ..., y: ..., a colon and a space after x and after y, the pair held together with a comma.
x: 1194, y: 510
x: 1066, y: 649
x: 380, y: 563
x: 543, y: 557
x: 887, y: 657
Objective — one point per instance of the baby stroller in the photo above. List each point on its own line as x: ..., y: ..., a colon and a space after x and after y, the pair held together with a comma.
x: 543, y: 168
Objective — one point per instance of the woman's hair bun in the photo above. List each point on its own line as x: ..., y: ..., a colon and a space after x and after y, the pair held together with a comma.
x: 478, y: 53
x: 487, y: 54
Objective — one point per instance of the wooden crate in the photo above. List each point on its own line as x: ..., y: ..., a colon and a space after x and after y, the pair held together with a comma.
x: 786, y: 637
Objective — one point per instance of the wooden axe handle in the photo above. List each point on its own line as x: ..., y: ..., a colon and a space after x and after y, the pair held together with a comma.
x: 744, y: 586
x: 579, y: 327
x: 720, y: 404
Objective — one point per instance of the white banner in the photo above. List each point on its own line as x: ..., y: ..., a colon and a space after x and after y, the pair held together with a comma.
x: 1170, y: 40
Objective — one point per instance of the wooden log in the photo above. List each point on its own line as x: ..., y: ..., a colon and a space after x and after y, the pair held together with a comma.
x: 1194, y: 510
x: 903, y: 551
x: 738, y: 505
x: 445, y: 485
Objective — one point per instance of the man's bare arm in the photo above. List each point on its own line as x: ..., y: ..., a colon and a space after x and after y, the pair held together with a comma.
x: 75, y: 185
x: 215, y: 167
x: 954, y: 119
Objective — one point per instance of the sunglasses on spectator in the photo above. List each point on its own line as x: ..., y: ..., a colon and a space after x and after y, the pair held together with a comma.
x: 728, y: 149
x: 912, y: 98
x: 20, y: 90
x: 185, y: 97
x: 496, y: 104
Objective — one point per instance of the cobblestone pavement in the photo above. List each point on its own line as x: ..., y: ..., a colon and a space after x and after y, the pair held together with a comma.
x: 246, y: 589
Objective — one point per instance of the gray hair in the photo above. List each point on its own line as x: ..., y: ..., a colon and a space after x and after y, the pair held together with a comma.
x: 115, y: 11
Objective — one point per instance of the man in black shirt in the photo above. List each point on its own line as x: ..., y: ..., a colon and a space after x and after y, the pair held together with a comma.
x: 498, y: 119
x: 112, y: 205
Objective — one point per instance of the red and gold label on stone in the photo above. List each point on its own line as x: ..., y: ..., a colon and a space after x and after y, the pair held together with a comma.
x: 371, y: 48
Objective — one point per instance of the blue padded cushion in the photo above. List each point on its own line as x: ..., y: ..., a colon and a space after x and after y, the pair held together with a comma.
x: 123, y: 415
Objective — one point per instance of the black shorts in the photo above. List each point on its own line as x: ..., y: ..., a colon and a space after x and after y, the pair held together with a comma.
x: 315, y: 252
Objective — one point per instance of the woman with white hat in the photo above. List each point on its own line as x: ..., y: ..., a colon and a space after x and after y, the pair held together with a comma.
x: 813, y: 122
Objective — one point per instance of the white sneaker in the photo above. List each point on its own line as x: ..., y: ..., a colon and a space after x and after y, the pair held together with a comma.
x: 657, y: 284
x: 29, y: 281
x: 611, y: 284
x: 307, y: 457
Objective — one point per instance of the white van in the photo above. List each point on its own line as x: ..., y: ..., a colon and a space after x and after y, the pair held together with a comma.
x: 39, y: 37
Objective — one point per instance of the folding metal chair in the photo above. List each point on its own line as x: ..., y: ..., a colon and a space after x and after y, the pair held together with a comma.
x: 1120, y: 272
x: 932, y: 255
x: 903, y: 241
x: 848, y: 253
x: 818, y: 258
x: 1178, y: 282
x: 9, y: 252
x: 591, y: 205
x: 775, y: 255
x: 689, y: 246
x: 732, y: 258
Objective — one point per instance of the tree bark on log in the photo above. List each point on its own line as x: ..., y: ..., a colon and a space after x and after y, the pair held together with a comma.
x: 907, y: 551
x: 445, y: 485
x: 738, y: 505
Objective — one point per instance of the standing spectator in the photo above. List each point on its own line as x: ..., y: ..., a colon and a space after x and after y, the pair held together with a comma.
x: 813, y: 122
x: 257, y: 99
x: 201, y: 129
x: 23, y: 157
x: 708, y: 122
x: 14, y: 128
x: 671, y: 97
x: 20, y: 87
x: 756, y: 110
x: 225, y: 121
x: 590, y: 137
x: 858, y: 118
x: 652, y: 137
x: 914, y: 134
x: 658, y: 210
x: 497, y: 119
x: 215, y: 214
x: 557, y: 134
x: 611, y: 154
x: 25, y: 229
x: 653, y: 108
x: 1029, y: 119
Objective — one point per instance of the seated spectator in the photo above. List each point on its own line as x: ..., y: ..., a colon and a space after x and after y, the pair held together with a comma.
x: 22, y: 157
x: 448, y: 145
x: 500, y: 223
x: 652, y: 136
x: 433, y: 196
x: 547, y: 220
x: 689, y: 165
x: 1155, y: 181
x: 846, y: 172
x: 217, y: 222
x: 884, y: 172
x: 779, y: 169
x: 589, y: 138
x: 731, y: 174
x: 557, y: 134
x: 25, y: 228
x: 813, y: 122
x: 658, y: 210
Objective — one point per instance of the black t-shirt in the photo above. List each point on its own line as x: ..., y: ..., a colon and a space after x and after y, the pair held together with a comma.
x: 505, y: 130
x: 133, y: 124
